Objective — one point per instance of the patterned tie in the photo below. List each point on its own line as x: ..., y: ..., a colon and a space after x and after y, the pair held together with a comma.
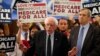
x: 79, y: 42
x: 49, y: 46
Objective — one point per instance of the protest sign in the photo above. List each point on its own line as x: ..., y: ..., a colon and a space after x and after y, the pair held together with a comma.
x: 31, y: 12
x: 5, y: 15
x: 5, y: 11
x: 66, y: 8
x: 7, y: 43
x: 94, y: 7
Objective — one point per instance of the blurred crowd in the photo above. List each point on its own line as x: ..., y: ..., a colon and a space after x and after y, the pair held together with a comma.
x: 26, y: 31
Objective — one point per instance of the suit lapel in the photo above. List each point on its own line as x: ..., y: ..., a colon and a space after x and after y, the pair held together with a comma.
x: 75, y: 36
x: 56, y: 41
x: 88, y: 36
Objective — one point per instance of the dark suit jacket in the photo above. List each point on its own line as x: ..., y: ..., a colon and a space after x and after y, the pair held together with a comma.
x: 91, y: 45
x: 60, y: 47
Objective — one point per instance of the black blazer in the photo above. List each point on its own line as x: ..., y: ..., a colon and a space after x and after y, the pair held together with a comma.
x: 91, y: 45
x: 60, y: 47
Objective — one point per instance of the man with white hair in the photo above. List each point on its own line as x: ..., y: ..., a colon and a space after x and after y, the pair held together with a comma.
x: 49, y: 42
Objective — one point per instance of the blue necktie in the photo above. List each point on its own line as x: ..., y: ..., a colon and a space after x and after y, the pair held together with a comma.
x: 26, y: 36
x: 79, y: 42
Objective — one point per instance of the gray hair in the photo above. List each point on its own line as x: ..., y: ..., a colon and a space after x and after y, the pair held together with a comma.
x: 51, y: 18
x: 88, y: 10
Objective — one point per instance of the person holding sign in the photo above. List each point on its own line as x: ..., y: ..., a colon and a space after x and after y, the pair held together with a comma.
x: 23, y: 38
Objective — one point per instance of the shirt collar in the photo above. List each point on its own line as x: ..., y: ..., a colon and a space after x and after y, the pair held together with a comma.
x: 23, y: 32
x: 85, y: 26
x: 52, y: 34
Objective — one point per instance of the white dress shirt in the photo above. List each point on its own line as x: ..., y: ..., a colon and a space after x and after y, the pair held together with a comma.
x: 52, y: 42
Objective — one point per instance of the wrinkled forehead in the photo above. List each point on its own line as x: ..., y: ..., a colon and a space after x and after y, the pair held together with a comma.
x: 50, y: 21
x: 26, y: 23
x: 85, y: 12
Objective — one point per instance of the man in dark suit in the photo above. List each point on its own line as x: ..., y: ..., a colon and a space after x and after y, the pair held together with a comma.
x: 55, y: 45
x: 85, y: 39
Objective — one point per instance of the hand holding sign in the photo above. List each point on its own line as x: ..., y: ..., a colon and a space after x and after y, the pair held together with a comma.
x: 24, y: 46
x: 19, y: 24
